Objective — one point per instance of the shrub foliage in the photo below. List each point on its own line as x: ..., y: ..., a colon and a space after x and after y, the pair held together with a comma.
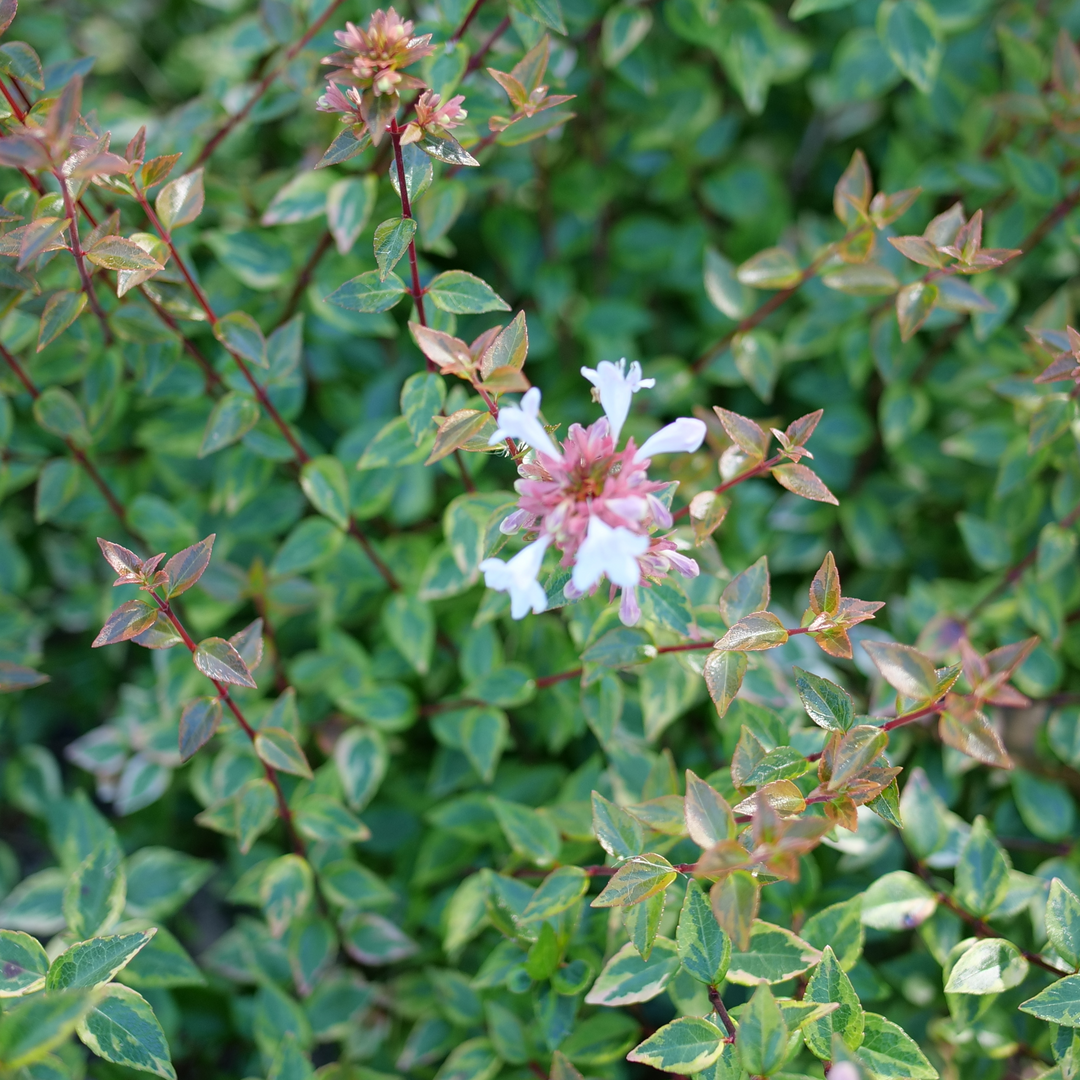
x: 732, y: 731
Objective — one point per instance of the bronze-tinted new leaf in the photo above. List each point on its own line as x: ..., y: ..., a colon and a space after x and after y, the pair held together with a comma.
x: 125, y: 622
x: 803, y: 481
x: 187, y: 566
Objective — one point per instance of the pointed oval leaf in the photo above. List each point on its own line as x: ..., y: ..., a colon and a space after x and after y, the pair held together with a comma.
x: 180, y: 201
x: 198, y: 722
x: 369, y: 292
x: 218, y: 660
x: 122, y: 1028
x: 280, y: 750
x: 462, y: 293
x: 61, y: 310
x: 187, y: 566
x: 23, y: 964
x: 128, y: 620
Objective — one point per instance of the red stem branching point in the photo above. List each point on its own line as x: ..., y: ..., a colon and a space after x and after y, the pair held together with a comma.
x: 272, y: 777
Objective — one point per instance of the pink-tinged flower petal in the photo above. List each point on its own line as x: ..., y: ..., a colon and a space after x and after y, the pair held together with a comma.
x: 609, y: 551
x: 616, y: 387
x: 629, y: 610
x: 630, y: 508
x: 661, y: 515
x: 685, y: 566
x: 519, y: 519
x: 518, y: 578
x: 683, y: 436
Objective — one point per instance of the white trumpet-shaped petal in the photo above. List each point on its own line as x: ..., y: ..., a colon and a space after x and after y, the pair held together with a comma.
x: 522, y: 423
x: 616, y: 387
x: 609, y: 551
x: 683, y: 436
x: 518, y: 578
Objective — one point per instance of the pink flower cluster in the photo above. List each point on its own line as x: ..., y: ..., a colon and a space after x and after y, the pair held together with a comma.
x: 372, y: 58
x: 593, y: 502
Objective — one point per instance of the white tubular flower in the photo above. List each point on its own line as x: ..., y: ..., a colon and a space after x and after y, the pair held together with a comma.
x: 522, y: 423
x: 608, y: 551
x: 683, y: 436
x: 616, y: 388
x: 518, y: 578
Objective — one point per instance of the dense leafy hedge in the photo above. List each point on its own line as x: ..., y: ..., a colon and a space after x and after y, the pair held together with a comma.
x: 388, y: 792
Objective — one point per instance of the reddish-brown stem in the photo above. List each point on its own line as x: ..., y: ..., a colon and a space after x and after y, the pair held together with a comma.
x: 761, y: 313
x: 562, y: 676
x: 80, y: 262
x: 304, y: 278
x: 301, y: 455
x: 78, y: 454
x: 477, y: 57
x: 406, y: 212
x: 757, y: 470
x: 982, y: 929
x: 899, y: 721
x: 267, y: 81
x: 16, y: 109
x: 1014, y: 573
x: 459, y: 33
x: 718, y: 1007
x: 284, y: 812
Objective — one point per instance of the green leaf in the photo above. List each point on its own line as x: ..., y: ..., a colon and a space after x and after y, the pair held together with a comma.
x: 325, y: 484
x: 642, y: 923
x: 774, y: 954
x: 1059, y: 1003
x: 828, y: 705
x: 279, y: 749
x: 361, y: 759
x: 19, y: 60
x: 727, y: 293
x: 904, y: 668
x: 301, y: 199
x: 619, y: 832
x: 754, y: 632
x: 530, y: 833
x: 254, y: 811
x: 462, y: 293
x: 61, y: 310
x: 621, y: 647
x: 286, y: 891
x: 57, y: 411
x: 161, y: 964
x: 418, y: 172
x: 410, y: 625
x: 687, y: 1045
x: 840, y: 927
x: 314, y: 541
x: 547, y: 12
x: 241, y: 335
x: 898, y: 901
x: 392, y: 239
x: 31, y: 1028
x: 773, y: 268
x: 180, y: 201
x: 757, y: 359
x: 708, y: 815
x: 369, y: 292
x: 474, y: 1059
x: 198, y: 723
x: 1046, y: 806
x: 118, y: 253
x: 374, y: 940
x: 349, y: 203
x: 636, y: 880
x: 830, y: 984
x: 891, y: 1054
x: 95, y: 893
x: 623, y: 29
x: 422, y: 396
x: 23, y: 964
x: 763, y: 1034
x: 724, y: 673
x: 988, y: 966
x: 186, y: 567
x: 231, y: 418
x: 914, y: 302
x: 704, y: 948
x: 34, y: 905
x: 909, y: 31
x: 1063, y: 922
x: 627, y: 979
x: 218, y: 660
x: 982, y: 875
x: 393, y: 446
x: 508, y: 350
x: 94, y: 962
x: 346, y: 145
x: 122, y: 1028
x: 560, y: 890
